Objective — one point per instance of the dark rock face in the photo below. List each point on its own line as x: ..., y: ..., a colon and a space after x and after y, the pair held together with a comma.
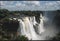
x: 36, y: 28
x: 10, y: 26
x: 37, y: 19
x: 56, y: 20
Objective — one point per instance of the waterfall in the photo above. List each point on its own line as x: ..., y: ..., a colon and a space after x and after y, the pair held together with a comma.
x: 21, y: 27
x: 27, y: 27
x: 30, y: 27
x: 33, y: 20
x: 41, y: 25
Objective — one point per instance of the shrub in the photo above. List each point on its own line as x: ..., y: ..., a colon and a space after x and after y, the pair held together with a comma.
x: 22, y: 38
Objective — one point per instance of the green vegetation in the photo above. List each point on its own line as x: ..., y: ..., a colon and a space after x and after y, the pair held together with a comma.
x: 9, y: 30
x: 22, y: 38
x: 3, y: 13
x: 7, y: 26
x: 29, y: 13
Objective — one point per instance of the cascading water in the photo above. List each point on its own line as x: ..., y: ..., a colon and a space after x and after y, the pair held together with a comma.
x: 21, y: 27
x: 41, y: 25
x: 27, y: 27
x: 37, y: 31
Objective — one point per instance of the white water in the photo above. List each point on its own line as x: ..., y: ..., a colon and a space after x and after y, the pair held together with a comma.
x: 41, y: 25
x: 30, y: 29
x: 27, y: 27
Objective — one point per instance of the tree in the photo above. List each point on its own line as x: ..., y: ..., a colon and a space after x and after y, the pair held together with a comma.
x: 3, y: 13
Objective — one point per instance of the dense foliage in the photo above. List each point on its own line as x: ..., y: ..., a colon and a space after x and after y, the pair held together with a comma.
x: 7, y: 25
x: 3, y: 13
x: 22, y: 38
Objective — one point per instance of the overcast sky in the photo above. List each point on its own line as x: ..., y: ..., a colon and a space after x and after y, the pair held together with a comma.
x: 30, y: 5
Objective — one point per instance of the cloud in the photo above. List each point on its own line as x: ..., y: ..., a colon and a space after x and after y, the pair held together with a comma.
x: 1, y: 3
x: 19, y: 4
x: 58, y: 2
x: 53, y: 5
x: 30, y: 5
x: 34, y: 3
